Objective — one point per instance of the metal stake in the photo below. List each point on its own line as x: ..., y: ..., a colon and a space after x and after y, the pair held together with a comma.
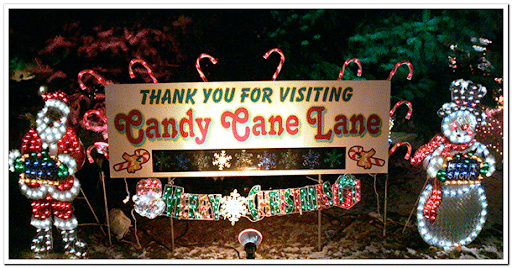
x: 319, y: 220
x: 172, y: 235
x: 385, y: 203
x: 102, y: 176
x: 415, y: 205
x: 96, y: 217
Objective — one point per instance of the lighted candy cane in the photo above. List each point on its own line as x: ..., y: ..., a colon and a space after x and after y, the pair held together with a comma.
x: 347, y: 62
x: 87, y: 122
x: 98, y: 77
x: 398, y: 144
x: 408, y: 103
x: 280, y: 63
x: 392, y: 73
x: 101, y: 147
x: 198, y: 66
x: 145, y: 64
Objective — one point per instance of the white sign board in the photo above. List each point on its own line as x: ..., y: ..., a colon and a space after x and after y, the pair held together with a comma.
x: 248, y: 128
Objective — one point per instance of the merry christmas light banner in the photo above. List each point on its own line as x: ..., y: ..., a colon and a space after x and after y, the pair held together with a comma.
x: 176, y: 203
x: 248, y: 128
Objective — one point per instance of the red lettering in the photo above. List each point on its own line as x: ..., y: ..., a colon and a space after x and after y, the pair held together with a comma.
x: 318, y: 122
x: 292, y: 125
x: 125, y: 123
x: 190, y: 122
x: 374, y: 124
x: 236, y: 119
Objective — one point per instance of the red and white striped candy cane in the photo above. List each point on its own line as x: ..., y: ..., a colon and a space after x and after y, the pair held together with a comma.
x: 364, y: 158
x: 101, y: 147
x: 347, y: 62
x: 145, y: 64
x: 142, y: 157
x: 98, y: 77
x: 408, y: 103
x: 392, y: 73
x: 198, y: 66
x: 87, y: 121
x: 398, y: 144
x: 280, y: 66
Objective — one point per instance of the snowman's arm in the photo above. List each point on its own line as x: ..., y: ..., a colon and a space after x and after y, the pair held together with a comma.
x: 482, y: 151
x: 434, y: 162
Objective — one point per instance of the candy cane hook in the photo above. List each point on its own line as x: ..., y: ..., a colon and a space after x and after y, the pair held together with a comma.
x: 408, y: 103
x: 198, y: 66
x: 101, y: 147
x: 409, y: 149
x: 392, y: 73
x: 280, y: 63
x: 145, y: 64
x: 98, y: 77
x: 347, y: 62
x: 88, y: 124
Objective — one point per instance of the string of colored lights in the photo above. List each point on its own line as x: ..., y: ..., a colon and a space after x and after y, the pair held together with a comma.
x: 345, y: 193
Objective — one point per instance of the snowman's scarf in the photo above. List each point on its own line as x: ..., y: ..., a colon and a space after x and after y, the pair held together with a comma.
x: 434, y: 143
x: 429, y: 211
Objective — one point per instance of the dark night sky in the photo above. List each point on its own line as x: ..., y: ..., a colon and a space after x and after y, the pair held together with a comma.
x: 227, y: 32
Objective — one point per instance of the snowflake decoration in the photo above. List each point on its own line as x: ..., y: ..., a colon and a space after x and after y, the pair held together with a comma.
x: 267, y: 161
x: 233, y: 207
x: 311, y: 159
x: 161, y: 160
x: 222, y: 160
x: 288, y: 159
x: 334, y: 159
x: 181, y: 162
x: 243, y: 159
x: 202, y: 160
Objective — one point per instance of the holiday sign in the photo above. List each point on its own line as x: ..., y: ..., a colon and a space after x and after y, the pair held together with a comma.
x: 248, y: 128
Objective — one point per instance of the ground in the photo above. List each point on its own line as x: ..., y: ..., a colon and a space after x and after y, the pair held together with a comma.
x: 347, y: 236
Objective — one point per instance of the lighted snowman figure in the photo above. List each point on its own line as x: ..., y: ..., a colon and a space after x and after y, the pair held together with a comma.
x: 452, y: 209
x: 49, y: 157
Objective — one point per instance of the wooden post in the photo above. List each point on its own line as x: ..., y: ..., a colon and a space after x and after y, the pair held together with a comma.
x: 319, y: 220
x: 172, y: 235
x: 102, y: 176
x: 170, y: 181
x: 385, y: 203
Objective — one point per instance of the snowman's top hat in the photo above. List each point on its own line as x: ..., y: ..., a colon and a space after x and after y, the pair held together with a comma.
x: 466, y: 96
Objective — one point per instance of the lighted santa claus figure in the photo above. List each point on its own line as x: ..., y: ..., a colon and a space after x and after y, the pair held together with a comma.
x: 46, y: 163
x: 452, y: 209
